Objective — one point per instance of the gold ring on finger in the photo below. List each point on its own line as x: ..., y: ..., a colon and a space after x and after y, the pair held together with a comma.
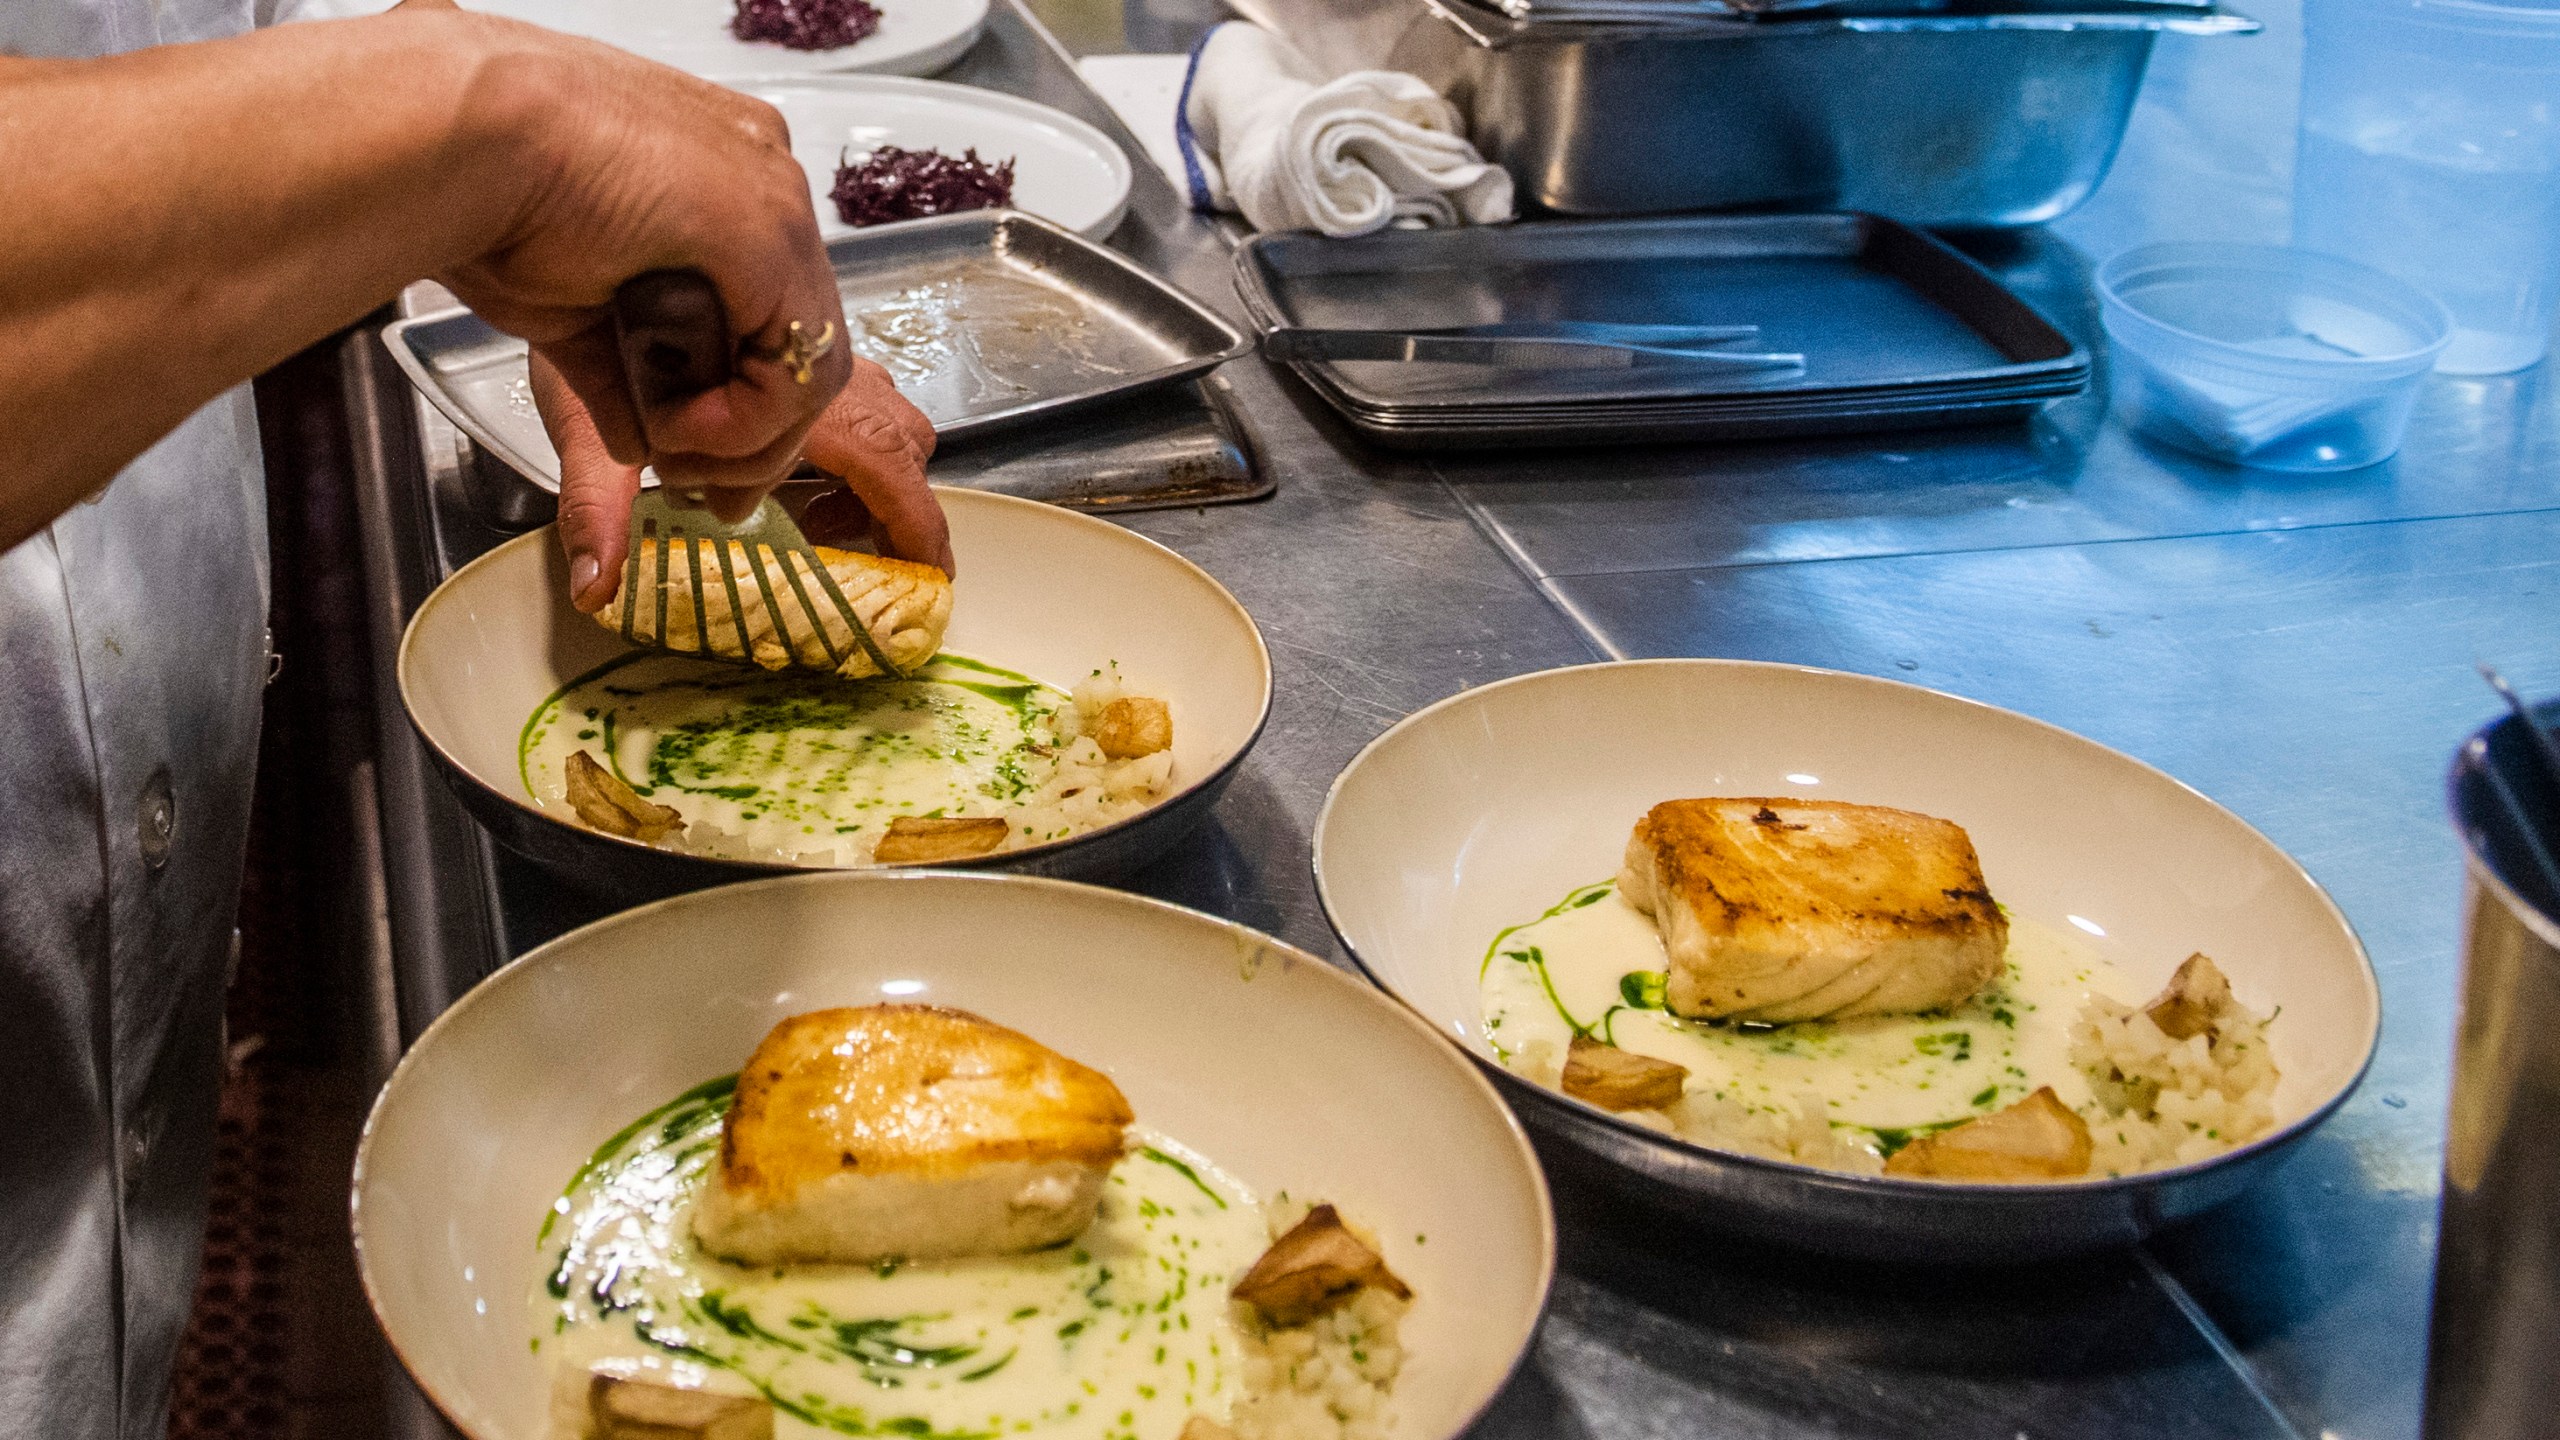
x: 801, y: 350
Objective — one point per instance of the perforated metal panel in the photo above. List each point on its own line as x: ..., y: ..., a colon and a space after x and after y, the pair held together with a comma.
x: 231, y: 1364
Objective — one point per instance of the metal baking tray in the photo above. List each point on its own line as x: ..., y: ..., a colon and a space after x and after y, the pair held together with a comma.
x: 986, y: 319
x: 1585, y: 430
x: 1895, y: 324
x: 1960, y: 119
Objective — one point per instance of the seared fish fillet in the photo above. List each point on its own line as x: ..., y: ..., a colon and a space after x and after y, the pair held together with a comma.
x: 906, y: 606
x: 1781, y: 910
x: 907, y: 1131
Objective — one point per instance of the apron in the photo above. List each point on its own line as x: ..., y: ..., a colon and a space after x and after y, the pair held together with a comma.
x: 132, y: 653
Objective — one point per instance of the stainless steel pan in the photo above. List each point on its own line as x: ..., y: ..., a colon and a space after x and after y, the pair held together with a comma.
x: 1963, y: 121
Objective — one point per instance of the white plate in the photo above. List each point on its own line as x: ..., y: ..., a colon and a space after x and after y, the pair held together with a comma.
x: 1065, y: 171
x: 1264, y: 1058
x: 1041, y: 590
x: 1480, y: 811
x: 916, y: 37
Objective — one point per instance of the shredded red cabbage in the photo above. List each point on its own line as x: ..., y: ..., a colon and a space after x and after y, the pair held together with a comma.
x: 805, y: 24
x: 894, y: 184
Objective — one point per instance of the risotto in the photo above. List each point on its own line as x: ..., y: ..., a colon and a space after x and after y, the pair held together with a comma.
x: 1325, y: 1379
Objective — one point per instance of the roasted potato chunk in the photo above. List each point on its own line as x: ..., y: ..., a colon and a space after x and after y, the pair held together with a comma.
x: 1316, y: 1267
x: 622, y: 1408
x: 1134, y: 725
x: 2039, y: 1138
x: 1616, y: 1079
x: 2194, y: 1001
x: 912, y: 838
x: 606, y: 804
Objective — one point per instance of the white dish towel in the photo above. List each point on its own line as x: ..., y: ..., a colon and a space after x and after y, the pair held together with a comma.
x: 1265, y: 134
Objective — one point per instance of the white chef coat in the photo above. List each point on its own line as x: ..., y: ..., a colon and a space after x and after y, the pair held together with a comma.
x: 132, y: 654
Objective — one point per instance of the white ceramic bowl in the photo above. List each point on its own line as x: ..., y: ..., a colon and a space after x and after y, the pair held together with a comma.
x: 1041, y: 590
x: 1264, y: 1058
x: 1479, y: 811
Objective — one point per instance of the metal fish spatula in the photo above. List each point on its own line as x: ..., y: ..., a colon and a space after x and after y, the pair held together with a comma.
x: 768, y: 542
x: 675, y: 343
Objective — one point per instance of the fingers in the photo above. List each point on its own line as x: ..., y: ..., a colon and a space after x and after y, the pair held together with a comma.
x: 590, y: 363
x: 596, y: 490
x: 734, y: 484
x: 870, y: 436
x: 643, y: 168
x: 780, y: 294
x: 784, y: 380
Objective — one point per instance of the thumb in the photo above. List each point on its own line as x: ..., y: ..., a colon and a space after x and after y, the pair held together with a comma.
x: 596, y: 491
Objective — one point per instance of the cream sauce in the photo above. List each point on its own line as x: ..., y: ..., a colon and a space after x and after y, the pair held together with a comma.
x: 798, y: 767
x: 1121, y: 1333
x: 1593, y: 964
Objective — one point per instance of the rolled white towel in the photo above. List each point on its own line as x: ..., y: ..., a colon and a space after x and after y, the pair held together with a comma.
x: 1263, y: 133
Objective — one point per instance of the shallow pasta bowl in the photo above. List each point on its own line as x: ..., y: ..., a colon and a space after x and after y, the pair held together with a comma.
x: 1478, y: 812
x: 1041, y: 590
x: 1263, y: 1058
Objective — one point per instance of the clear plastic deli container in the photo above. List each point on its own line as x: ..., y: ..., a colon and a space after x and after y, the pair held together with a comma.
x: 2274, y: 358
x: 2431, y: 149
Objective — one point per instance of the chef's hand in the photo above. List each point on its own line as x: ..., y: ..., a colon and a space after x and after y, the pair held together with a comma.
x: 639, y: 167
x: 870, y: 435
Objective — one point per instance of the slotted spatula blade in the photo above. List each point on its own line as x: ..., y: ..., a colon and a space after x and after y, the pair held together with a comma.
x: 766, y: 542
x: 675, y: 342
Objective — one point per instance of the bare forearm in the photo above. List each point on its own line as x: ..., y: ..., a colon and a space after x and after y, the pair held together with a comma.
x: 176, y: 220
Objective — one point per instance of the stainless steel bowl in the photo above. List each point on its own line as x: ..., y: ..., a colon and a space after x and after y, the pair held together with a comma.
x: 1957, y: 121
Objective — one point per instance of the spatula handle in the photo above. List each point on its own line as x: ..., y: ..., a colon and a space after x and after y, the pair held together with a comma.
x: 675, y: 337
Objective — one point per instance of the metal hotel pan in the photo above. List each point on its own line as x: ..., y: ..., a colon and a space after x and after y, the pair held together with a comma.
x: 1959, y: 121
x: 1898, y: 329
x: 986, y: 319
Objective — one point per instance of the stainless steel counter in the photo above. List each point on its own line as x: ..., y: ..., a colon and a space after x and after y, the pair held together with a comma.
x: 2298, y: 647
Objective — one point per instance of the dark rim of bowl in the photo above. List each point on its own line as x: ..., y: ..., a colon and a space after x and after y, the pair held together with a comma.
x: 994, y: 860
x: 2028, y: 1192
x: 1514, y: 1127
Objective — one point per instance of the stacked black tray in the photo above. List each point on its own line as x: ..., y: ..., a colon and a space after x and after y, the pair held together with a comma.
x: 1897, y: 329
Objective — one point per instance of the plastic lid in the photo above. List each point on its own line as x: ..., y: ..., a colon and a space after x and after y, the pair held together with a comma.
x: 2245, y: 314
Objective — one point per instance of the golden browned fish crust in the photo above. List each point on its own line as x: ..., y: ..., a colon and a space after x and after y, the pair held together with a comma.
x: 905, y: 606
x: 1782, y: 910
x: 914, y: 1089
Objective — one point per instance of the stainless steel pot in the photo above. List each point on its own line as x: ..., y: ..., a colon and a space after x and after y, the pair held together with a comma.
x: 2493, y: 1369
x: 1957, y: 121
